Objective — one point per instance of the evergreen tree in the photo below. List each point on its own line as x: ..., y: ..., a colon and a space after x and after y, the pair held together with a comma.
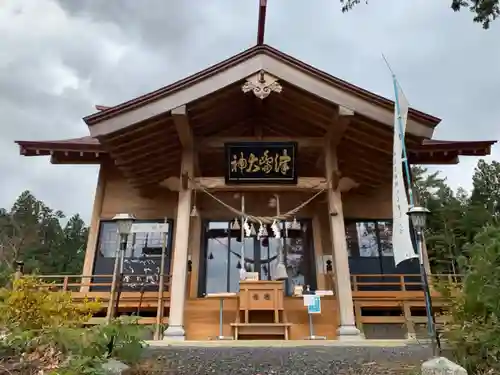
x: 32, y: 232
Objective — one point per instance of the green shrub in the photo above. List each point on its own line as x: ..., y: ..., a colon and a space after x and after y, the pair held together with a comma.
x: 44, y: 330
x: 473, y: 329
x: 30, y: 304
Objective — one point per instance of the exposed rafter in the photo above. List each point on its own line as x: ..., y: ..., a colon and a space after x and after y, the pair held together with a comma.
x: 185, y: 133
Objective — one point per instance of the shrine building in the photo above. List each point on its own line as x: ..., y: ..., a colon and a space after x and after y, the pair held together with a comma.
x: 262, y: 163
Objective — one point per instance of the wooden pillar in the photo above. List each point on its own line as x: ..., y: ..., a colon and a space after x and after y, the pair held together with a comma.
x: 318, y: 252
x: 175, y: 330
x: 195, y: 252
x: 347, y: 329
x: 93, y: 237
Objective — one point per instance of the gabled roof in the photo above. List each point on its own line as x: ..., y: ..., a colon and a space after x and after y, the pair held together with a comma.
x: 106, y: 113
x: 332, y: 86
x: 90, y: 148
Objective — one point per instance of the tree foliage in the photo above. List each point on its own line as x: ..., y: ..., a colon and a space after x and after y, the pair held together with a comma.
x: 457, y: 216
x: 485, y: 11
x: 473, y: 331
x: 42, y: 237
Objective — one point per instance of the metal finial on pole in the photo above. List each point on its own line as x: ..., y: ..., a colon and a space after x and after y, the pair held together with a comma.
x: 261, y: 25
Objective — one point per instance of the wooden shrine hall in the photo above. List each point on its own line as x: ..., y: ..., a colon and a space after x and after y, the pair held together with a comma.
x: 257, y: 166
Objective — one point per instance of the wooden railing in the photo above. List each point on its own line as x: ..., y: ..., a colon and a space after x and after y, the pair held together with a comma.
x: 396, y: 302
x: 101, y: 283
x: 396, y: 282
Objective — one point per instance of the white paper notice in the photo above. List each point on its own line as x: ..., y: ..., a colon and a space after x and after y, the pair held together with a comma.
x: 308, y: 299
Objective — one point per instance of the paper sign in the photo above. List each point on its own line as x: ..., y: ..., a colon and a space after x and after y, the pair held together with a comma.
x: 149, y: 228
x: 315, y: 306
x: 308, y: 299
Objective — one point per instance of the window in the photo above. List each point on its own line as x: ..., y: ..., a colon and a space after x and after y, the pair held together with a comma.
x: 369, y: 238
x: 222, y: 257
x: 142, y: 262
x: 138, y: 244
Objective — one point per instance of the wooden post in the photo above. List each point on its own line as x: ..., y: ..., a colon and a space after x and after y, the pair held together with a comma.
x: 347, y: 329
x: 161, y: 286
x: 175, y: 328
x: 322, y: 275
x: 116, y: 269
x: 91, y: 249
x: 195, y: 251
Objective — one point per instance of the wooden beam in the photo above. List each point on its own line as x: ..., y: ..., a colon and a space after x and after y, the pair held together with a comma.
x: 183, y: 127
x: 123, y: 137
x: 343, y: 120
x: 218, y: 142
x: 93, y: 235
x: 219, y: 184
x: 145, y: 157
x: 337, y: 129
x: 160, y: 136
x: 185, y: 133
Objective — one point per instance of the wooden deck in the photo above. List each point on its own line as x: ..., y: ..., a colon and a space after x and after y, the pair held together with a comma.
x: 401, y: 308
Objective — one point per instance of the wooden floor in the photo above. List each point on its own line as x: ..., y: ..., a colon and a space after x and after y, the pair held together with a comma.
x: 201, y: 318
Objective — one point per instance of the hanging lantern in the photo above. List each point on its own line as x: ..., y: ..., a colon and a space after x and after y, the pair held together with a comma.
x: 194, y: 211
x: 252, y: 230
x: 235, y: 224
x: 210, y: 256
x: 264, y: 230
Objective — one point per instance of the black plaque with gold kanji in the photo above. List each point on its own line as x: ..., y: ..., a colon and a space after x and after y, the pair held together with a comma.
x: 261, y: 162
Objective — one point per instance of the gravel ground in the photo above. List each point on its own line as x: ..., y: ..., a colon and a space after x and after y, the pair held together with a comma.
x: 290, y: 361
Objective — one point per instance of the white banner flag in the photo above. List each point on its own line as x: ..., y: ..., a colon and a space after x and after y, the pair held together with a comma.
x: 401, y: 240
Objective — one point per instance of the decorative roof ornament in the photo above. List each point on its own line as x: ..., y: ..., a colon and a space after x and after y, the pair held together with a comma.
x: 262, y: 84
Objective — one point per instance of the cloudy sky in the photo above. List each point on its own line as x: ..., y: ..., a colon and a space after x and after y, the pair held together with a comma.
x: 58, y: 58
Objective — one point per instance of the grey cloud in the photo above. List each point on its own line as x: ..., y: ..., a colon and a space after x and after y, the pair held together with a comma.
x: 75, y: 54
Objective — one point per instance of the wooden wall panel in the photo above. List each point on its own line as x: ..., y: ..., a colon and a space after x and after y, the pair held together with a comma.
x: 202, y: 318
x: 325, y: 324
x: 377, y: 205
x: 119, y: 197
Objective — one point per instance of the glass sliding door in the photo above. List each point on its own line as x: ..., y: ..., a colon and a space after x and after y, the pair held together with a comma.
x: 222, y: 257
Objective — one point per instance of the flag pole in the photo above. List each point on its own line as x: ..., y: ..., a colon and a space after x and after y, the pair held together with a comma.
x: 401, y: 133
x: 431, y: 322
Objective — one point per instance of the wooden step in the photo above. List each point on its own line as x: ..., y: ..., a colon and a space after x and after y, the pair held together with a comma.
x: 261, y: 329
